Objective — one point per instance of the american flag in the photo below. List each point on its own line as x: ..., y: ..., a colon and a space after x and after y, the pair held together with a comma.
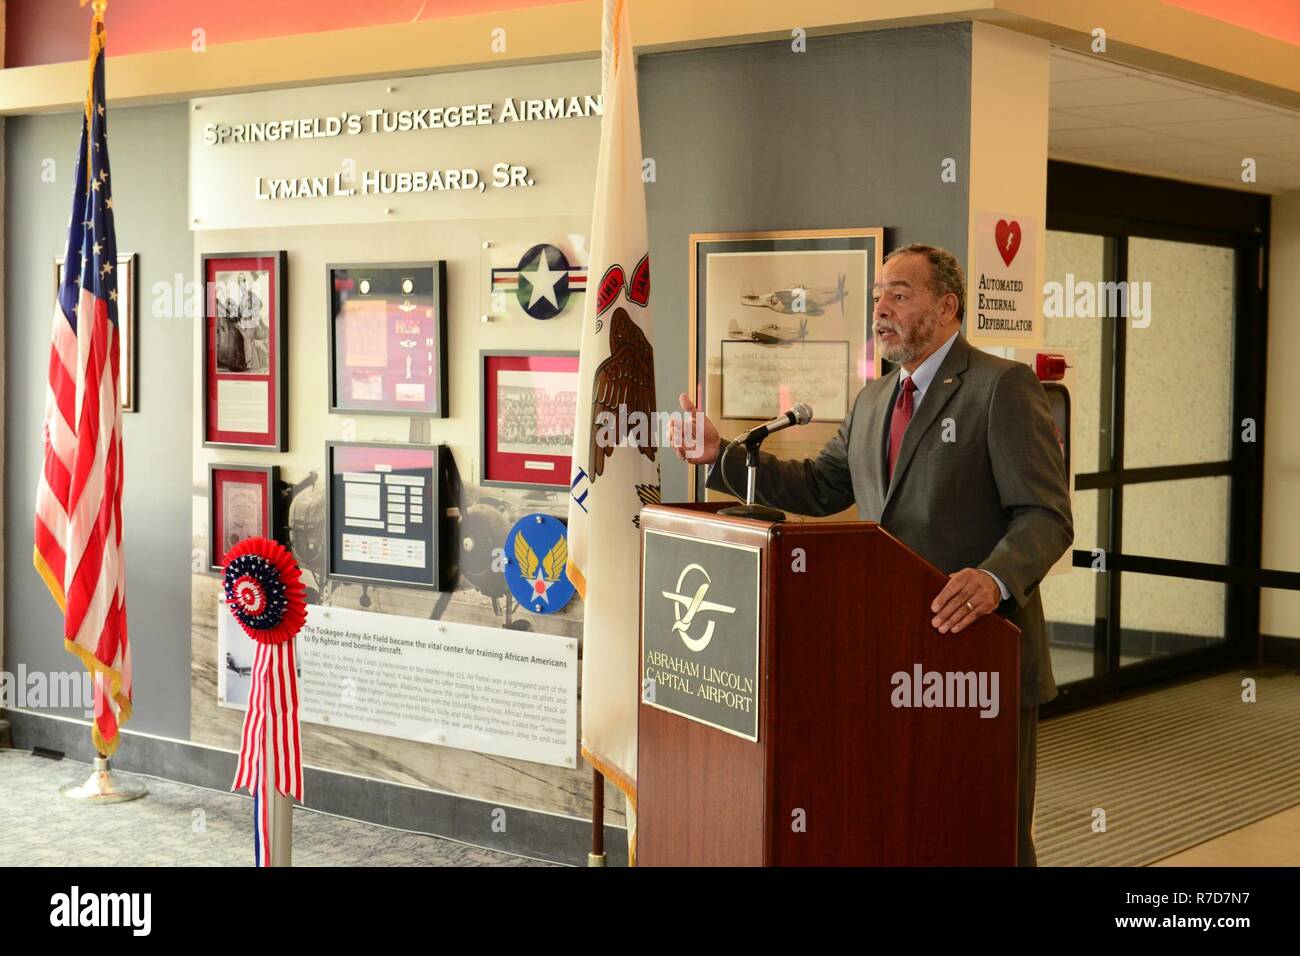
x: 79, y: 501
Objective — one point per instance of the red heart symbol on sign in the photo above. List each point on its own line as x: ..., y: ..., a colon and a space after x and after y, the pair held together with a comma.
x: 1007, y: 235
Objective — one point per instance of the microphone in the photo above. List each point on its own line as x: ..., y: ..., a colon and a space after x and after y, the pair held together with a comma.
x: 800, y: 413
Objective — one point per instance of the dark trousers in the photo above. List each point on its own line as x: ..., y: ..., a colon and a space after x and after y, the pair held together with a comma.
x: 1027, y: 778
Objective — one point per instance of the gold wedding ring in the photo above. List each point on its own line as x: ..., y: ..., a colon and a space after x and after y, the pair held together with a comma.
x: 969, y: 607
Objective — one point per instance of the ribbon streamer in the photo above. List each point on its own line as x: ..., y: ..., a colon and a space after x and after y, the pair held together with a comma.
x: 264, y: 592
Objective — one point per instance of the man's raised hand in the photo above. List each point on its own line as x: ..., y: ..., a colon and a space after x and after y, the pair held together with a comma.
x: 693, y: 437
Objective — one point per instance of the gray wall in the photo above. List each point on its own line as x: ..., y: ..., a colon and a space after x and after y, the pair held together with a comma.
x: 850, y: 133
x: 150, y: 186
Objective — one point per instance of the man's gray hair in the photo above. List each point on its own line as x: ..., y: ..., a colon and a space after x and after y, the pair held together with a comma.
x: 945, y: 272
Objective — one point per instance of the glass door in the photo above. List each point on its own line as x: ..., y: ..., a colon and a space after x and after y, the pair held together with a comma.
x: 1161, y: 320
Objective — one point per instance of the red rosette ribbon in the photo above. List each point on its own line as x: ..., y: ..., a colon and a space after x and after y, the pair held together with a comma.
x: 264, y: 592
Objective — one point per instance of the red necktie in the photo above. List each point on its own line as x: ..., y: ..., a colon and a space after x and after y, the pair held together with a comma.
x: 899, y: 420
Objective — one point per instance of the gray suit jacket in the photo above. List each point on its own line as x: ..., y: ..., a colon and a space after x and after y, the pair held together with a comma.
x: 995, y: 496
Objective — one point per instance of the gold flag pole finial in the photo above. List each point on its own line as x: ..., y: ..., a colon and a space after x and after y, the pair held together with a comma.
x: 99, y: 6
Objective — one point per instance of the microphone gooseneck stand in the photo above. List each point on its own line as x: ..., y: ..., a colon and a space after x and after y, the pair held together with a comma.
x: 749, y: 509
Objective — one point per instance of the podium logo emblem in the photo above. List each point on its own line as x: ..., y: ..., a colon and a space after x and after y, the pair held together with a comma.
x: 687, y: 606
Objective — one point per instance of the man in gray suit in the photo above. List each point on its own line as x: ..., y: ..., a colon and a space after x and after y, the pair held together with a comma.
x: 956, y: 454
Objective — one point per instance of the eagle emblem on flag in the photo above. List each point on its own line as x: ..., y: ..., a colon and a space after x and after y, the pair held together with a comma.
x: 625, y: 380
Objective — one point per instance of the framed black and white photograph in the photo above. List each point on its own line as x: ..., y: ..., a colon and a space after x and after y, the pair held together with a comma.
x: 383, y: 503
x: 778, y: 318
x: 529, y: 417
x: 245, y: 350
x: 126, y: 322
x: 388, y: 338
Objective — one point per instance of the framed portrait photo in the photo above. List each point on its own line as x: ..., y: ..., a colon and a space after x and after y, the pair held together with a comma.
x: 530, y: 402
x: 383, y: 506
x: 388, y: 338
x: 778, y: 318
x: 126, y: 323
x: 245, y: 350
x: 242, y: 503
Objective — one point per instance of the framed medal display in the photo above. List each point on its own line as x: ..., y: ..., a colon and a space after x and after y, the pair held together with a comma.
x: 242, y: 503
x: 245, y: 368
x: 388, y: 338
x: 383, y: 502
x: 529, y: 413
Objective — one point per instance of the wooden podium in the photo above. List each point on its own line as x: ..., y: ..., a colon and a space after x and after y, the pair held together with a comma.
x: 775, y: 661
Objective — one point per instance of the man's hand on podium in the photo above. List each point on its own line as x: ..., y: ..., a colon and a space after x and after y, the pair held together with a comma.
x: 693, y: 438
x: 969, y: 595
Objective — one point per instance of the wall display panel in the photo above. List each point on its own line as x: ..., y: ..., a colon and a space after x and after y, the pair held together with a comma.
x: 778, y: 318
x: 384, y: 509
x: 245, y: 352
x: 483, y: 689
x: 476, y: 144
x: 388, y: 338
x: 126, y: 321
x: 243, y: 503
x: 529, y: 416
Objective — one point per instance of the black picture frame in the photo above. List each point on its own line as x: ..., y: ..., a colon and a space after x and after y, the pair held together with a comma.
x: 279, y: 365
x: 436, y: 406
x: 271, y: 512
x: 339, y: 569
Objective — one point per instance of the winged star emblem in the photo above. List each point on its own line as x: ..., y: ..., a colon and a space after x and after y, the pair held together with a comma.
x: 541, y: 573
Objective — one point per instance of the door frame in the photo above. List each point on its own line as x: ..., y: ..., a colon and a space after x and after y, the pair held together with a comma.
x: 1119, y: 206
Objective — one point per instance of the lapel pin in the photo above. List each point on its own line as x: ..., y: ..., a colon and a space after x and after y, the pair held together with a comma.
x: 947, y: 381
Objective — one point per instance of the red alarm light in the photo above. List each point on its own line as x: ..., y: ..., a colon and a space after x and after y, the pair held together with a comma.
x: 1049, y: 366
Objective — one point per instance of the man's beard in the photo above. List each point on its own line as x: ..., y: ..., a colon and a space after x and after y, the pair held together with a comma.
x: 915, y: 340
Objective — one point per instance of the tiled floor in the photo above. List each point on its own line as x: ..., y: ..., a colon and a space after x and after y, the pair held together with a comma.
x: 180, y: 825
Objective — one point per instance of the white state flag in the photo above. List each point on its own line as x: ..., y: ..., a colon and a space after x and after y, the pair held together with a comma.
x: 615, y: 467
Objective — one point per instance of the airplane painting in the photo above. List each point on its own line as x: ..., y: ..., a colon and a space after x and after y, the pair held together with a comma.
x: 800, y: 299
x: 770, y: 334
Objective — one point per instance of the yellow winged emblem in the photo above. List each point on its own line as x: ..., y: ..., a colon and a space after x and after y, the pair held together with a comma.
x: 525, y: 557
x: 556, y: 558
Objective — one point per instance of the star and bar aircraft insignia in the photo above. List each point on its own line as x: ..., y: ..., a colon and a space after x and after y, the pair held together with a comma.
x: 542, y: 282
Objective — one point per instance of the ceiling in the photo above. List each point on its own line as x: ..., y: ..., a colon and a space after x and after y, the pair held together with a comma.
x: 1107, y: 114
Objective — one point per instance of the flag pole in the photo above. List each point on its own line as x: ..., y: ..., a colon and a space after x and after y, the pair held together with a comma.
x: 100, y: 786
x: 597, y: 855
x: 279, y: 838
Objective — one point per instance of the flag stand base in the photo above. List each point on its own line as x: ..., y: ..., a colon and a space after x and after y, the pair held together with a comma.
x: 100, y: 787
x: 595, y: 859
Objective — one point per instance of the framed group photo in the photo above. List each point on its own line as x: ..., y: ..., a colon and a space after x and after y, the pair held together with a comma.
x: 242, y: 503
x: 388, y: 338
x: 126, y: 323
x: 245, y: 350
x: 383, y: 504
x: 778, y: 318
x: 530, y: 402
